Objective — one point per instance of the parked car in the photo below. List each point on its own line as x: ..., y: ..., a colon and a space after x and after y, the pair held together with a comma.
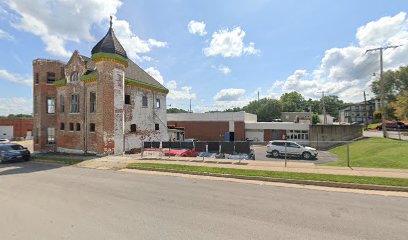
x: 393, y: 126
x: 4, y: 140
x: 206, y: 155
x: 181, y: 152
x: 277, y: 148
x: 10, y: 152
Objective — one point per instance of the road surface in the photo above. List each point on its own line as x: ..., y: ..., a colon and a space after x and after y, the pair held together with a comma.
x: 45, y: 201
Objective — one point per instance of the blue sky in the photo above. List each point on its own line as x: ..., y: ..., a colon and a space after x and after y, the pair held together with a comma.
x: 230, y: 50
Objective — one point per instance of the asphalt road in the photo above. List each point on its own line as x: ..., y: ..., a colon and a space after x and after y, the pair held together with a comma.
x: 45, y: 201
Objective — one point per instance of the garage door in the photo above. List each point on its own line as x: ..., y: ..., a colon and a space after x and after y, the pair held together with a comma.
x: 6, y: 132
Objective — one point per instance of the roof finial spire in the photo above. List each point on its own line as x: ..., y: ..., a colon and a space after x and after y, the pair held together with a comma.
x: 111, y: 21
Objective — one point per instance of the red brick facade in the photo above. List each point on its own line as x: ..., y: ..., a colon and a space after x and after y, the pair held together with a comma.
x: 20, y: 126
x: 210, y: 130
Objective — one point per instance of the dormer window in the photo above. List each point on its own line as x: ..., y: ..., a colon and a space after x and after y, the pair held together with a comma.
x: 74, y: 77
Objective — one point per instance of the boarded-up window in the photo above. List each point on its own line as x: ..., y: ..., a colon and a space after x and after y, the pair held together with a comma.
x: 144, y: 101
x: 35, y: 104
x: 71, y: 126
x: 51, y: 135
x: 62, y: 104
x: 62, y: 126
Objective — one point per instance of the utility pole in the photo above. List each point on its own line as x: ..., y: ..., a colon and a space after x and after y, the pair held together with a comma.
x: 366, y: 111
x: 258, y: 95
x: 324, y: 109
x: 382, y: 103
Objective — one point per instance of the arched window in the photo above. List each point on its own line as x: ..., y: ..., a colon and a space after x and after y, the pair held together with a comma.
x: 74, y: 77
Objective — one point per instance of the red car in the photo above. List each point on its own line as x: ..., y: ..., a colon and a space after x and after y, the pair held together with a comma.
x: 181, y: 153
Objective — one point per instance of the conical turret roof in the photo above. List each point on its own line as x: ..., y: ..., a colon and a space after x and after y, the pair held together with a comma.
x: 109, y: 44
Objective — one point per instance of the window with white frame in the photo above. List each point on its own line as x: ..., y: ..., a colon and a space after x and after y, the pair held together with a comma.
x: 50, y: 105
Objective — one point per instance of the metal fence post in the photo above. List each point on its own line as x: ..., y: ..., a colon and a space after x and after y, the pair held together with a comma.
x: 348, y: 154
x: 142, y: 149
x: 286, y: 162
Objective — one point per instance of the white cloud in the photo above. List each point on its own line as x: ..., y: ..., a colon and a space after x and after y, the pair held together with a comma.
x: 347, y: 71
x: 15, y: 106
x: 175, y: 93
x: 61, y: 21
x: 183, y: 93
x: 229, y: 94
x: 198, y: 28
x: 5, y: 35
x: 230, y: 44
x: 155, y: 74
x: 16, y: 78
x: 132, y: 43
x: 222, y: 68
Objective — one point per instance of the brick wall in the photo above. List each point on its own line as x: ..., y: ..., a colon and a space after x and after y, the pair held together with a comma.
x: 41, y: 90
x: 20, y: 126
x: 210, y: 130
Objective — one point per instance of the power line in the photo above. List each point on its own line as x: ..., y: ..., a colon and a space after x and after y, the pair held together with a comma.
x: 381, y: 49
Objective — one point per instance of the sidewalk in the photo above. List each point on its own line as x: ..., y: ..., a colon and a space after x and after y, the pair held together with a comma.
x: 120, y: 162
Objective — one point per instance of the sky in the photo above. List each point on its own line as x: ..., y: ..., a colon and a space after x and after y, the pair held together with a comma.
x: 218, y: 54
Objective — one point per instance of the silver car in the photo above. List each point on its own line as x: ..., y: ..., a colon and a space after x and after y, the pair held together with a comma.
x: 277, y: 148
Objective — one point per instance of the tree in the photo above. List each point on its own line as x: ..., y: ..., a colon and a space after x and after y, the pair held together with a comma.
x: 266, y: 109
x: 292, y: 102
x: 315, y: 119
x: 334, y: 104
x: 176, y: 110
x: 401, y: 105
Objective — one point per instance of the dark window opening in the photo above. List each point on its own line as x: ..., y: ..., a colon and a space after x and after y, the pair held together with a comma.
x: 144, y: 101
x: 78, y: 127
x: 156, y: 127
x: 37, y: 78
x: 71, y: 127
x: 62, y: 126
x: 92, y: 102
x: 127, y: 99
x: 50, y: 77
x: 92, y: 127
x: 132, y: 127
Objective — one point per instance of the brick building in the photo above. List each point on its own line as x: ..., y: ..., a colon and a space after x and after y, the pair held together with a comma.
x: 105, y: 104
x: 16, y: 128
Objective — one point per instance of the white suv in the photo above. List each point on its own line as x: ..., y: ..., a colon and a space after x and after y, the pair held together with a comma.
x: 277, y: 148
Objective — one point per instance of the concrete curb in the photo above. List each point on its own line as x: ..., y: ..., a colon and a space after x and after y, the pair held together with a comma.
x: 281, y: 180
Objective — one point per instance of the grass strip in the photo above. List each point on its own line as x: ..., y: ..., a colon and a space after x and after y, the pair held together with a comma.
x: 57, y: 159
x: 400, y: 182
x: 373, y: 153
